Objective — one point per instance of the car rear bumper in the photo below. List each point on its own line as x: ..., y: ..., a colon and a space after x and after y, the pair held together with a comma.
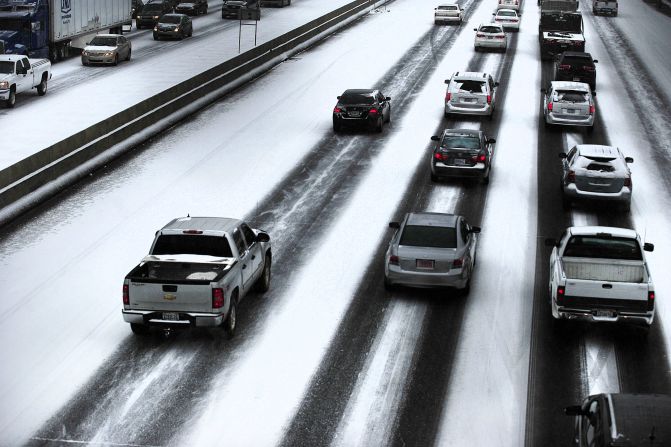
x: 480, y: 110
x: 443, y: 170
x: 563, y: 120
x: 356, y: 122
x: 153, y: 318
x: 572, y: 191
x: 447, y: 19
x: 617, y: 316
x: 493, y: 43
x: 510, y: 25
x: 609, y: 11
x: 454, y: 278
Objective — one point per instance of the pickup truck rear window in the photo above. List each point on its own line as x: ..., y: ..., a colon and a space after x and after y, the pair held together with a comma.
x: 599, y: 247
x: 175, y: 244
x: 426, y: 236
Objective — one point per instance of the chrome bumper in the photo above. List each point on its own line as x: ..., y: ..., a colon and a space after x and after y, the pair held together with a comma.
x: 154, y: 318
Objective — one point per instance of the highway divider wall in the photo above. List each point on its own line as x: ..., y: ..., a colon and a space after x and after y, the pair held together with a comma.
x: 48, y: 171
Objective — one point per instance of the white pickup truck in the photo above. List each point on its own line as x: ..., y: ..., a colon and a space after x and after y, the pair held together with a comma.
x: 197, y: 272
x: 19, y: 74
x: 600, y: 274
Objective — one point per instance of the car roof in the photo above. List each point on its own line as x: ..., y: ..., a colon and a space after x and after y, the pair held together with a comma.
x: 471, y: 75
x: 223, y: 224
x: 359, y: 91
x: 593, y: 230
x: 580, y: 86
x: 576, y: 53
x: 464, y: 132
x: 637, y: 415
x: 597, y: 150
x: 432, y: 219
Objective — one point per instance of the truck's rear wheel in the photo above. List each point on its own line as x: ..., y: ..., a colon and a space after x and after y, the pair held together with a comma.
x: 139, y: 329
x: 9, y: 103
x: 42, y: 88
x: 263, y: 283
x: 231, y: 321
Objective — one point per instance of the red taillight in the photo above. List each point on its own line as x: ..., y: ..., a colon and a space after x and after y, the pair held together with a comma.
x: 393, y: 260
x: 499, y: 37
x: 480, y: 35
x: 372, y: 111
x: 588, y: 68
x: 550, y: 106
x: 592, y: 109
x: 337, y: 110
x: 561, y: 292
x: 448, y: 96
x: 439, y: 156
x: 489, y: 99
x: 126, y: 295
x: 217, y: 298
x: 482, y: 158
x: 651, y: 300
x: 570, y: 177
x: 627, y: 182
x: 564, y: 67
x: 458, y: 263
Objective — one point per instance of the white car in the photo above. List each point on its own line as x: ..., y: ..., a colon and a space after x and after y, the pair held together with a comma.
x: 569, y: 104
x: 507, y: 18
x: 490, y: 36
x: 448, y: 13
x: 509, y: 4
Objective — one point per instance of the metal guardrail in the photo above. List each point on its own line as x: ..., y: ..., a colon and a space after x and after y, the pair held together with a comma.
x: 52, y: 163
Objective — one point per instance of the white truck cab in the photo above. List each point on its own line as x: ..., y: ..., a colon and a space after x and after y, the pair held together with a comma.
x: 19, y: 74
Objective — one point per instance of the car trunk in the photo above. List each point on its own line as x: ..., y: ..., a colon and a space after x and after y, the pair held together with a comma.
x: 459, y: 157
x: 570, y: 109
x: 466, y: 99
x: 356, y: 110
x: 427, y: 260
x: 598, y: 182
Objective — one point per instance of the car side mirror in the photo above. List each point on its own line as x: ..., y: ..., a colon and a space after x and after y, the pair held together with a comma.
x: 88, y: 43
x: 475, y: 29
x: 549, y: 242
x: 628, y: 159
x: 573, y: 410
x: 648, y: 246
x: 447, y: 81
x: 496, y: 84
x: 396, y: 225
x: 262, y: 237
x: 435, y: 138
x: 563, y: 155
x: 475, y: 230
x: 595, y: 61
x: 543, y: 90
x: 388, y: 98
x: 338, y: 97
x: 491, y: 140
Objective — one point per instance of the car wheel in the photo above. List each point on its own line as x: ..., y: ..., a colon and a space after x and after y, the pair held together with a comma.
x: 467, y: 288
x: 232, y: 319
x: 11, y: 101
x: 85, y: 64
x: 388, y: 285
x: 116, y: 60
x: 590, y: 129
x: 337, y: 127
x: 139, y: 329
x: 380, y: 122
x: 42, y: 88
x: 565, y: 202
x: 434, y: 177
x: 263, y: 283
x: 626, y: 206
x: 128, y: 57
x: 485, y: 179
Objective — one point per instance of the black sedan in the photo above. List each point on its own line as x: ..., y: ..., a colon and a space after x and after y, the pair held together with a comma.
x: 192, y: 7
x: 462, y: 153
x: 362, y: 108
x: 576, y: 66
x: 175, y: 26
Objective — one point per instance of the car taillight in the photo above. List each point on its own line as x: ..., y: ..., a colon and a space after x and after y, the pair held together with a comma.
x: 448, y: 96
x: 570, y: 177
x: 479, y: 158
x: 500, y: 37
x: 439, y: 156
x: 393, y: 260
x: 627, y: 182
x: 561, y: 292
x: 592, y: 109
x: 372, y: 111
x: 489, y: 99
x: 126, y: 295
x: 550, y: 106
x: 564, y: 67
x: 651, y: 300
x: 217, y: 298
x: 480, y: 34
x: 337, y: 110
x: 588, y: 68
x: 458, y: 263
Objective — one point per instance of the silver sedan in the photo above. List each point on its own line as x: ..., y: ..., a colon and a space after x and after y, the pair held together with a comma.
x: 106, y: 49
x: 431, y: 250
x: 596, y: 172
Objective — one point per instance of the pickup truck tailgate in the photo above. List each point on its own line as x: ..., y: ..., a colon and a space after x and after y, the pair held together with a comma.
x: 597, y: 270
x: 607, y: 290
x: 170, y: 297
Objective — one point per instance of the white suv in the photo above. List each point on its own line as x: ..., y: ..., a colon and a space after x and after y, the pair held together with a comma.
x: 470, y: 93
x: 448, y: 13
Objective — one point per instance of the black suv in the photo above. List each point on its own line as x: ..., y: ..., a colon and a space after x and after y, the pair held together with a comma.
x: 151, y: 12
x: 192, y: 7
x: 576, y: 66
x: 364, y: 108
x: 462, y: 153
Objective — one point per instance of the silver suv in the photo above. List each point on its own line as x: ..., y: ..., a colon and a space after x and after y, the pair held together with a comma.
x: 470, y: 93
x: 592, y: 171
x: 569, y: 104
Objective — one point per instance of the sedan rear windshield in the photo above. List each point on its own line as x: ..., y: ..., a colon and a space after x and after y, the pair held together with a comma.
x: 448, y: 8
x: 577, y: 60
x: 170, y: 19
x: 570, y: 96
x: 460, y: 141
x: 103, y: 41
x: 426, y: 236
x: 490, y: 29
x: 603, y: 247
x: 357, y: 98
x: 507, y: 13
x: 470, y: 86
x: 175, y: 244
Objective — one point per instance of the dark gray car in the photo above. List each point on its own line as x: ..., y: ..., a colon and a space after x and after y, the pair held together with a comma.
x: 462, y: 153
x: 431, y: 250
x: 174, y: 26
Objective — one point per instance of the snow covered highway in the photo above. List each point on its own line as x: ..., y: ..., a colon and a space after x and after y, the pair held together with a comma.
x: 328, y: 356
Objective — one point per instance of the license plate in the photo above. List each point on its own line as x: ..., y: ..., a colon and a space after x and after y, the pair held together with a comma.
x: 576, y: 79
x: 570, y: 110
x: 459, y: 161
x: 470, y: 100
x: 354, y: 113
x: 425, y: 264
x: 605, y: 313
x: 170, y: 316
x: 489, y: 37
